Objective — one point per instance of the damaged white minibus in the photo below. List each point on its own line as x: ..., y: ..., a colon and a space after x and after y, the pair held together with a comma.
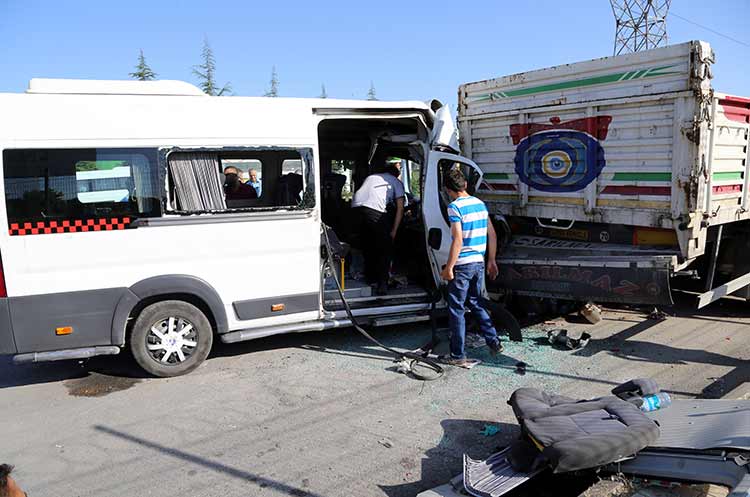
x: 117, y: 231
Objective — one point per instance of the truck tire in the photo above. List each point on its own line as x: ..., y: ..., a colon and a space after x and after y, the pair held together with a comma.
x: 171, y: 338
x: 503, y: 319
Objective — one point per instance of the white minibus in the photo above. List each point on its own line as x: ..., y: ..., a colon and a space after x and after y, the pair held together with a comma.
x: 119, y: 233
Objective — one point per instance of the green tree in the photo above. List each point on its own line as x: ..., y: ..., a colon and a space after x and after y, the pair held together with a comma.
x: 323, y: 93
x: 206, y: 73
x: 273, y: 90
x: 371, y: 92
x: 142, y: 71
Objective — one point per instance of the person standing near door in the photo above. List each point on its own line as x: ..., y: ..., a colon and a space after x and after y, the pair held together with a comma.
x: 472, y: 235
x: 379, y: 203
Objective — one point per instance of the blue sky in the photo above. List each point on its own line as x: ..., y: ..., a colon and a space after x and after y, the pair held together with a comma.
x: 409, y: 49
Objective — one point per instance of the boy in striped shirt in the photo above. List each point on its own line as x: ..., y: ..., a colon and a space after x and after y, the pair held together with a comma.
x: 472, y: 235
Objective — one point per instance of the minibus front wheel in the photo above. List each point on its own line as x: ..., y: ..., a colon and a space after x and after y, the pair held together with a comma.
x: 171, y: 338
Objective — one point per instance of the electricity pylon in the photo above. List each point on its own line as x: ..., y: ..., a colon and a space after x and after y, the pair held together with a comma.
x: 639, y: 24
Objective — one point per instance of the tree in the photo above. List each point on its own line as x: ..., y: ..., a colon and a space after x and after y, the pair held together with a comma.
x: 371, y: 92
x: 323, y: 93
x: 206, y: 73
x: 142, y: 70
x: 273, y: 91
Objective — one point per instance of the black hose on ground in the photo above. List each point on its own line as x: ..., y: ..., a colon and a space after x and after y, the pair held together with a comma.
x: 411, y: 359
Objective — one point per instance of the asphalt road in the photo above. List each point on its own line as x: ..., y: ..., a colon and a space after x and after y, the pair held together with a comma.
x: 324, y: 414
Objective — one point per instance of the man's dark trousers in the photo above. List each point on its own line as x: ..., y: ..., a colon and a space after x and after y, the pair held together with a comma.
x: 375, y: 233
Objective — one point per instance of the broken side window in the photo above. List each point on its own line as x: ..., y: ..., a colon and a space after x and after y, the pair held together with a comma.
x: 241, y: 179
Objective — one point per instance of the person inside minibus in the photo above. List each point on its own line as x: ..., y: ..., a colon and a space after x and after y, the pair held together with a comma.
x: 234, y: 189
x: 379, y: 204
x: 254, y: 182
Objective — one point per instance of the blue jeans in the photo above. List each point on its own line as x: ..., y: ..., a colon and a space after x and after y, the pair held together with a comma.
x: 464, y: 291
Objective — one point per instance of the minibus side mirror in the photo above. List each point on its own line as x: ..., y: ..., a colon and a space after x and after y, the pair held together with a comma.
x: 435, y: 238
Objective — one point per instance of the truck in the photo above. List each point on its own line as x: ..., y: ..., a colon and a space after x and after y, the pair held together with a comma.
x: 612, y: 176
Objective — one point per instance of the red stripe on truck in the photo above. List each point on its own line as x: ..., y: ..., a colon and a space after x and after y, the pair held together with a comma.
x: 638, y: 190
x: 598, y: 127
x: 736, y: 108
x: 727, y: 189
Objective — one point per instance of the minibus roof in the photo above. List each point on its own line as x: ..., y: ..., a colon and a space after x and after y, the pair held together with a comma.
x: 138, y: 112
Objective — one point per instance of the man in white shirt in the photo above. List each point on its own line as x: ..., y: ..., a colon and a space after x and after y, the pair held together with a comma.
x: 380, y: 206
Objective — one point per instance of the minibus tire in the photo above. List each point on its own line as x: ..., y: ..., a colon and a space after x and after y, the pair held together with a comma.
x: 157, y: 316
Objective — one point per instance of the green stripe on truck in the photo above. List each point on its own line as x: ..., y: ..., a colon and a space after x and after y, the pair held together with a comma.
x: 642, y: 177
x: 565, y: 85
x: 726, y: 176
x: 496, y: 176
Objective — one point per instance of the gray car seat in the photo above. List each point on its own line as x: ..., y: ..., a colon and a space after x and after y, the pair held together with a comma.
x: 570, y: 435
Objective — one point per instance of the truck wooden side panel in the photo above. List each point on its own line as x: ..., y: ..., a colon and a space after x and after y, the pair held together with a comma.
x: 638, y: 140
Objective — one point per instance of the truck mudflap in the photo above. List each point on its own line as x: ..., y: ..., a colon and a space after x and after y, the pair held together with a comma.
x: 569, y: 270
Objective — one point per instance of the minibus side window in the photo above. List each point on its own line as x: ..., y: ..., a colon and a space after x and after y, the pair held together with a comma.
x: 80, y: 184
x: 249, y: 179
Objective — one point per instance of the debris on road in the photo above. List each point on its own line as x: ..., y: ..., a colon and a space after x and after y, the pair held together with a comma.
x: 657, y: 315
x: 561, y: 337
x: 591, y: 312
x: 490, y: 430
x: 386, y: 443
x: 645, y: 488
x: 474, y: 341
x: 521, y: 368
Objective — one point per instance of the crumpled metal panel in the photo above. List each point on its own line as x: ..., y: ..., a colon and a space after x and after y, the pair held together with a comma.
x: 584, y: 271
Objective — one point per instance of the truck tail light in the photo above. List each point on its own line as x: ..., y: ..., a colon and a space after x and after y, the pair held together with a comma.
x: 3, y: 290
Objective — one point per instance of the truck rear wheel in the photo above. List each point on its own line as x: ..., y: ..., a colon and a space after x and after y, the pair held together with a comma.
x: 171, y: 338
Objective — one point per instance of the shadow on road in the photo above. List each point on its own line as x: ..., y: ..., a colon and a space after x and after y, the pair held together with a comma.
x: 445, y: 460
x: 237, y: 473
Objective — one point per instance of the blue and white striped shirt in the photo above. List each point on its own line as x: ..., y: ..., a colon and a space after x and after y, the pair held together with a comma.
x: 472, y: 214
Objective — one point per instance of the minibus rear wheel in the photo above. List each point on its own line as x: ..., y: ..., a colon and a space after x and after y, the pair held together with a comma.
x: 171, y: 338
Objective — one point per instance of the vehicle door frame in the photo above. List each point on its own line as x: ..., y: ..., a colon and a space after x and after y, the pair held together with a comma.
x: 322, y: 114
x: 432, y: 208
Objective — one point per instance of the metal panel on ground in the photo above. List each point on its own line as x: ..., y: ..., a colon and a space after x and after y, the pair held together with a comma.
x: 494, y: 476
x: 704, y: 424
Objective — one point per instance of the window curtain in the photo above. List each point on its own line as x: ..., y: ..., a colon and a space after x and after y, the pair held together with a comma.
x: 198, y: 186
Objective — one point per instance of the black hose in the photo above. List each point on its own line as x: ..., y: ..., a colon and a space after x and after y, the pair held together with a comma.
x: 413, y: 359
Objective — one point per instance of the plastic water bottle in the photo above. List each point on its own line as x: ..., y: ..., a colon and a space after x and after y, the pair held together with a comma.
x: 655, y: 402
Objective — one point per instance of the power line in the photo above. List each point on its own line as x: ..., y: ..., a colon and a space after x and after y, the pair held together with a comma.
x: 711, y: 30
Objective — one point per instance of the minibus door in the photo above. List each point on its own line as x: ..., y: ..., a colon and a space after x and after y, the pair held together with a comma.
x: 435, y: 204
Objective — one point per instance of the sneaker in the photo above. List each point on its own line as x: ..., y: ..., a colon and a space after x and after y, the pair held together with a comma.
x: 461, y: 363
x: 496, y: 349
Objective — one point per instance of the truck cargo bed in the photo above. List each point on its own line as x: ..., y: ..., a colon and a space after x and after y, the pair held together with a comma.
x: 638, y: 139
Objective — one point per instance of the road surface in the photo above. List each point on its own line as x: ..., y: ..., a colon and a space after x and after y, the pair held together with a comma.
x: 324, y: 414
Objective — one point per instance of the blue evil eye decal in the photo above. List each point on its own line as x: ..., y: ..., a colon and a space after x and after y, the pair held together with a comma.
x: 559, y: 161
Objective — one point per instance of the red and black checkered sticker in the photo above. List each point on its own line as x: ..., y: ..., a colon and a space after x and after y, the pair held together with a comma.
x: 69, y: 226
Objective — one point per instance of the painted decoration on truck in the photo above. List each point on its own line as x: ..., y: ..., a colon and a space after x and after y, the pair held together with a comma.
x: 561, y: 156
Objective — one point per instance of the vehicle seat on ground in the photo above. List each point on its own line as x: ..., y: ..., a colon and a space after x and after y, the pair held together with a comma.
x: 570, y: 434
